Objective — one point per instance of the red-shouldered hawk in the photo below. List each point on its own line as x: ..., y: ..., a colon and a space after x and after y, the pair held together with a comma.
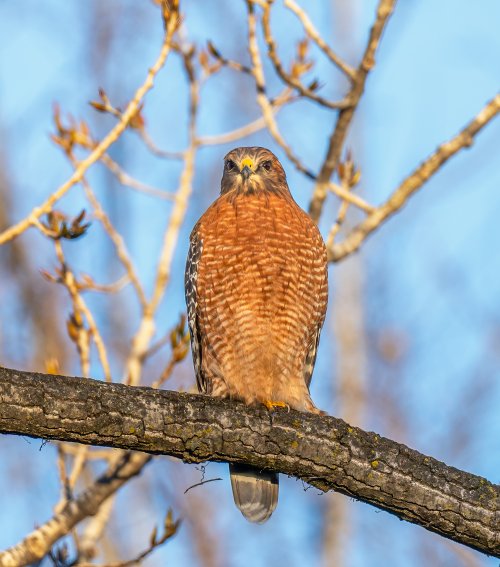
x: 256, y: 293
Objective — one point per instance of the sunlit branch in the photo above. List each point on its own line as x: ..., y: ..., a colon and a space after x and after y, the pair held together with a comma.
x: 414, y: 182
x: 125, y: 179
x: 289, y: 78
x: 103, y: 146
x: 144, y: 334
x: 154, y: 149
x: 38, y: 543
x: 352, y: 198
x: 118, y: 241
x: 339, y: 221
x: 251, y: 128
x: 345, y: 116
x: 262, y: 99
x: 313, y: 33
x: 80, y: 307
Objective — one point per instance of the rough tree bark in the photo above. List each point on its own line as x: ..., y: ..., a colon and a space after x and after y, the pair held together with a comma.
x: 323, y: 451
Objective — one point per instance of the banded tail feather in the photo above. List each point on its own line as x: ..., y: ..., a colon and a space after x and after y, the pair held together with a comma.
x: 255, y: 492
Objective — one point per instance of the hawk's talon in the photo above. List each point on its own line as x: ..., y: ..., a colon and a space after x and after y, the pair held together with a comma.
x: 270, y: 405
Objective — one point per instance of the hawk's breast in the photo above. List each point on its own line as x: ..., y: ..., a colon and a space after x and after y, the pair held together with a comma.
x: 261, y: 289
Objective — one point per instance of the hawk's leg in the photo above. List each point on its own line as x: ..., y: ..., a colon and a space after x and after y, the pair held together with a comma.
x: 271, y: 405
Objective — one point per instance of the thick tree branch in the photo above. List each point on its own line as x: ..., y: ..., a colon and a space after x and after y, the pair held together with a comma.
x: 323, y: 451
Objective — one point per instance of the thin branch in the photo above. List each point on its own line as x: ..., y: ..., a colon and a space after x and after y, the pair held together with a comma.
x: 86, y: 283
x: 80, y: 306
x: 96, y: 336
x: 103, y: 146
x: 344, y: 119
x: 313, y: 33
x: 250, y: 128
x: 323, y: 451
x: 288, y: 78
x: 63, y: 477
x: 180, y: 207
x: 154, y: 149
x: 118, y: 241
x: 93, y: 531
x: 38, y: 543
x: 142, y: 338
x: 414, y: 182
x: 77, y: 331
x: 170, y: 528
x: 225, y: 62
x: 79, y: 462
x: 125, y: 179
x: 95, y: 454
x: 352, y: 198
x: 262, y: 99
x: 201, y: 483
x: 339, y: 221
x: 178, y: 338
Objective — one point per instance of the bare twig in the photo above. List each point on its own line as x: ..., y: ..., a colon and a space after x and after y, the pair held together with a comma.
x: 201, y: 483
x: 145, y: 332
x: 181, y: 201
x: 79, y: 462
x: 154, y: 149
x: 179, y: 343
x: 63, y: 477
x: 349, y: 178
x: 313, y: 33
x: 251, y: 128
x: 225, y: 62
x: 413, y: 182
x: 118, y: 241
x: 345, y: 116
x: 94, y: 454
x: 262, y: 99
x: 86, y: 283
x: 75, y: 324
x: 289, y: 78
x: 94, y: 530
x: 341, y: 215
x: 80, y: 307
x: 170, y: 528
x: 352, y: 198
x: 39, y: 542
x: 103, y: 146
x: 125, y: 179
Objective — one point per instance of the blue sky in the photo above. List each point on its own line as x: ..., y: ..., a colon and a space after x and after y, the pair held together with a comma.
x: 431, y: 273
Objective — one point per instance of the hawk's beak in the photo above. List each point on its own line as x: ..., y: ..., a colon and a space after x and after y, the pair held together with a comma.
x: 246, y: 168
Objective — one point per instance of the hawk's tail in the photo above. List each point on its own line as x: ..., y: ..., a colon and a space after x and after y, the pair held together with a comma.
x: 255, y: 492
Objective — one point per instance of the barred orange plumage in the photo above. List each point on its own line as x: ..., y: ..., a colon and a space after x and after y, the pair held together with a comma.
x: 256, y: 292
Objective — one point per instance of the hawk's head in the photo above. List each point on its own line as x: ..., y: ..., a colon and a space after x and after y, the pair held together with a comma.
x: 250, y: 170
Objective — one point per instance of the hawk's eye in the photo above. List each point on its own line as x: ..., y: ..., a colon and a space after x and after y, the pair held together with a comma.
x: 230, y: 165
x: 267, y: 165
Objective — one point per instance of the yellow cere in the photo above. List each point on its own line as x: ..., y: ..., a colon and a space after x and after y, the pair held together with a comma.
x: 247, y: 162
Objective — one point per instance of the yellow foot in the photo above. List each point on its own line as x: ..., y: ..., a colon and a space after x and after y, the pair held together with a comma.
x: 270, y: 405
